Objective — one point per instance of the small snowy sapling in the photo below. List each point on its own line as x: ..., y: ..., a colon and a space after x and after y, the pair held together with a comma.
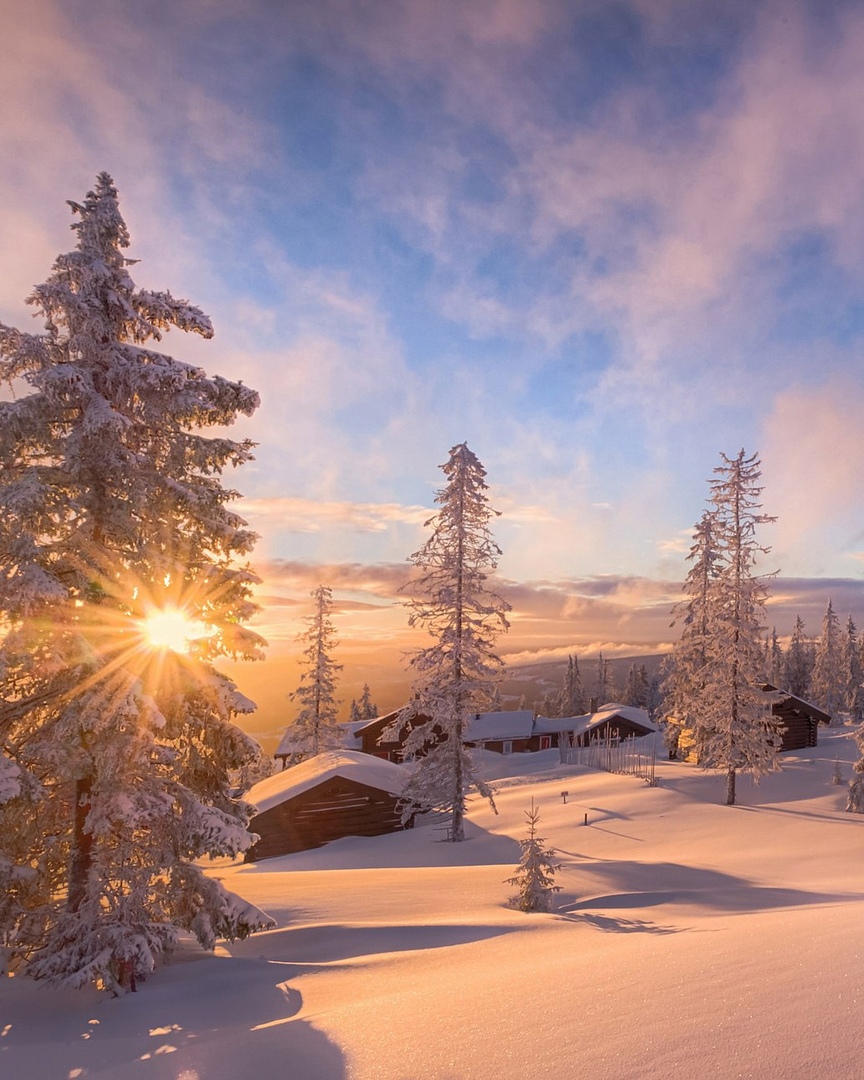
x: 536, y: 870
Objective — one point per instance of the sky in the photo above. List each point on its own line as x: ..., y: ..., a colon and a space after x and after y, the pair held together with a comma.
x: 599, y: 242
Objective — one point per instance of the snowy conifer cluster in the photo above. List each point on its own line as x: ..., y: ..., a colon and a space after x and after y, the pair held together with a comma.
x: 716, y: 684
x: 365, y: 708
x: 114, y: 774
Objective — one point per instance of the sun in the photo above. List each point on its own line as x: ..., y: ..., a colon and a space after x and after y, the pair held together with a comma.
x: 170, y: 629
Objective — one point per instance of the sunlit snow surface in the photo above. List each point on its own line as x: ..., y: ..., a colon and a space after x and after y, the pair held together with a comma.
x: 690, y: 940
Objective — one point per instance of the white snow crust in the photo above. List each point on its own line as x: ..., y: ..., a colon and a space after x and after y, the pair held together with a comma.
x: 690, y: 939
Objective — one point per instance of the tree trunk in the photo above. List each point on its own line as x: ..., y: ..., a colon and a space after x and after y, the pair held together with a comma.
x: 730, y: 787
x: 457, y: 819
x: 82, y: 846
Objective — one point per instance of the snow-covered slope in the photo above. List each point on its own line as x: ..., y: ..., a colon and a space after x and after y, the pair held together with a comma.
x: 690, y: 939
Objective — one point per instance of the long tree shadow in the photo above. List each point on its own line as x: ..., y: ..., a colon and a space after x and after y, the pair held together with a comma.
x: 836, y: 817
x: 611, y: 925
x: 638, y: 885
x: 328, y: 943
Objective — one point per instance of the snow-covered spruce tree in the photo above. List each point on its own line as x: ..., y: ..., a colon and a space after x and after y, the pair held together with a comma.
x: 775, y: 661
x: 636, y: 688
x: 454, y: 676
x: 367, y: 708
x: 572, y: 701
x: 799, y: 661
x: 684, y: 685
x: 316, y: 728
x: 535, y: 874
x: 550, y: 705
x: 116, y: 754
x: 853, y: 671
x: 828, y: 685
x: 855, y: 799
x: 735, y: 730
x: 605, y: 690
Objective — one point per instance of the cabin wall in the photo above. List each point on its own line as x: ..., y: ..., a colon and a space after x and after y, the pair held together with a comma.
x: 389, y: 749
x: 517, y: 746
x: 335, y: 808
x: 798, y: 731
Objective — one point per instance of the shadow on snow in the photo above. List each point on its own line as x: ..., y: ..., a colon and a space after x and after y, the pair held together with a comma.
x: 240, y: 1019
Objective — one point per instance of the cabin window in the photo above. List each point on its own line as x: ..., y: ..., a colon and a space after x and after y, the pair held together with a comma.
x: 507, y: 746
x: 545, y: 742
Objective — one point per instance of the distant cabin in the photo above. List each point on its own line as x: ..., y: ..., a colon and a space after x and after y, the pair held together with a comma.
x: 290, y: 749
x: 339, y: 793
x: 611, y: 722
x: 372, y: 737
x: 503, y: 732
x: 513, y: 732
x: 799, y: 720
x: 799, y: 725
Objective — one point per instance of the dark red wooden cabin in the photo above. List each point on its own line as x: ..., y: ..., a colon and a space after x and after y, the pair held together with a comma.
x: 372, y: 740
x: 340, y: 793
x: 799, y: 719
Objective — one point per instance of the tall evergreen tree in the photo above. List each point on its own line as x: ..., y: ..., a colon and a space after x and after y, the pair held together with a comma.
x: 550, y: 705
x: 316, y: 727
x: 828, y: 685
x: 605, y: 690
x: 775, y: 665
x: 799, y: 661
x: 118, y: 755
x: 736, y: 730
x: 572, y: 702
x: 684, y: 685
x: 655, y: 701
x: 367, y: 707
x: 636, y: 689
x: 456, y: 674
x: 853, y: 671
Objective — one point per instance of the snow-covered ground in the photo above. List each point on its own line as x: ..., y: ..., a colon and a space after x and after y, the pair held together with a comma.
x: 690, y: 939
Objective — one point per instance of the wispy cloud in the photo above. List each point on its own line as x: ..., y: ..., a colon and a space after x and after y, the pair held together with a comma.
x: 310, y: 515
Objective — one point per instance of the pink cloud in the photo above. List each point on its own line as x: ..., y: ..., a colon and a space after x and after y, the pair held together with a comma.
x: 813, y: 445
x: 294, y: 514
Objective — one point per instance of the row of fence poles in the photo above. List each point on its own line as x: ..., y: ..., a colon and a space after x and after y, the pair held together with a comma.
x: 631, y: 755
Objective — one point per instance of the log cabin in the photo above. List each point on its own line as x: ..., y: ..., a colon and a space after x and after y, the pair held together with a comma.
x: 339, y: 793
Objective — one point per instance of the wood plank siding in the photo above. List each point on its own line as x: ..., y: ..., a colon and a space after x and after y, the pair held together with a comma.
x: 334, y: 808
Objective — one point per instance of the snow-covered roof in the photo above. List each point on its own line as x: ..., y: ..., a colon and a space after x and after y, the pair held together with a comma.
x: 802, y: 705
x: 578, y: 725
x: 489, y: 726
x: 351, y: 728
x: 352, y: 764
x: 287, y: 744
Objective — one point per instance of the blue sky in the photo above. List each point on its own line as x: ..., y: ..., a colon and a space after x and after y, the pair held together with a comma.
x: 600, y: 242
